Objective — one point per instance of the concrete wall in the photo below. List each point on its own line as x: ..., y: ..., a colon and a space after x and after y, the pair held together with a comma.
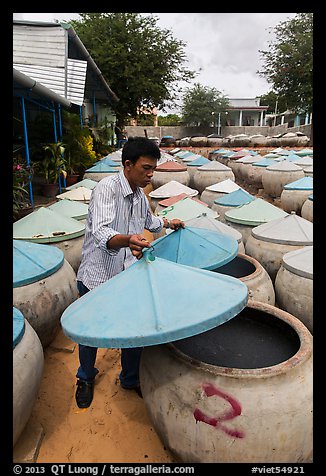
x: 178, y: 132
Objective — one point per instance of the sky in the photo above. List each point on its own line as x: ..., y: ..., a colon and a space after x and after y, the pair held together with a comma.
x: 223, y: 48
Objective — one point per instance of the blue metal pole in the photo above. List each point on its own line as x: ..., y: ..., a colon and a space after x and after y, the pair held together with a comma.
x: 81, y: 116
x: 31, y: 198
x: 55, y: 138
x: 60, y: 135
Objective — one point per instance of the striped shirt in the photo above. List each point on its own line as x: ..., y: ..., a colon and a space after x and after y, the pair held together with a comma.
x: 113, y: 209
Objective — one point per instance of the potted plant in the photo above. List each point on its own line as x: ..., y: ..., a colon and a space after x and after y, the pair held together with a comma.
x: 21, y: 202
x: 72, y: 172
x: 51, y: 167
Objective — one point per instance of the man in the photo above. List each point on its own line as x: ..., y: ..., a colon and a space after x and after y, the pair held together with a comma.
x: 118, y: 213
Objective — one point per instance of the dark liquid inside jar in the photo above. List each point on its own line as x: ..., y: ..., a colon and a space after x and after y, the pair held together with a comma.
x: 238, y: 268
x: 251, y: 340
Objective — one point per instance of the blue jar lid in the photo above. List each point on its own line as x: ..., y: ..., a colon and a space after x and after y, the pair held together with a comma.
x: 198, y: 162
x: 197, y: 247
x: 18, y: 326
x: 235, y: 199
x: 156, y: 301
x: 87, y: 183
x: 33, y: 261
x: 108, y: 161
x: 102, y: 167
x: 305, y: 183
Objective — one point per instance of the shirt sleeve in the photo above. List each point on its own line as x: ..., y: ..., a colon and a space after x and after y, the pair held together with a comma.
x: 153, y: 223
x: 104, y: 209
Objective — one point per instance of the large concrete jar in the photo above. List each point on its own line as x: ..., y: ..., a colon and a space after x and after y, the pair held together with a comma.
x: 217, y: 190
x: 43, y: 297
x: 307, y: 210
x: 28, y: 363
x: 72, y: 250
x: 211, y: 173
x: 275, y: 176
x: 168, y: 171
x: 294, y: 285
x: 210, y: 405
x: 269, y: 242
x: 294, y: 194
x: 253, y: 275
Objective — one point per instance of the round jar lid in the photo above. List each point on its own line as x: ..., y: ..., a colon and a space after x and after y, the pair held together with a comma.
x: 254, y: 213
x: 284, y: 166
x: 226, y: 186
x: 171, y: 189
x: 170, y: 166
x: 185, y: 209
x: 167, y: 301
x: 32, y: 262
x: 290, y: 230
x: 198, y: 162
x: 197, y: 247
x: 18, y: 326
x: 305, y: 183
x: 300, y: 262
x: 47, y: 226
x: 70, y: 208
x: 235, y: 199
x: 203, y: 221
x: 87, y: 183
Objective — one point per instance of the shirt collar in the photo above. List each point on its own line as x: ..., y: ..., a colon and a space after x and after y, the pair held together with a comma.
x: 126, y: 189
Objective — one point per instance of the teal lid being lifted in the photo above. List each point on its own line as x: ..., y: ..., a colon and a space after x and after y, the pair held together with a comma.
x: 197, y: 247
x: 185, y: 209
x: 254, y: 213
x: 209, y: 223
x: 18, y: 326
x: 32, y: 262
x: 47, y: 226
x: 70, y: 208
x: 156, y: 302
x: 305, y: 183
x: 235, y: 199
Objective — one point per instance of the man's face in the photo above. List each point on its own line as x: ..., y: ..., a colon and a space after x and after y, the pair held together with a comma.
x: 140, y: 173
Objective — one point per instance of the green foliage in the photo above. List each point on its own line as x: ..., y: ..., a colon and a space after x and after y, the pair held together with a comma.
x: 20, y: 181
x: 79, y: 153
x: 288, y: 64
x: 270, y: 99
x: 169, y: 120
x: 53, y: 162
x: 201, y: 105
x: 140, y: 61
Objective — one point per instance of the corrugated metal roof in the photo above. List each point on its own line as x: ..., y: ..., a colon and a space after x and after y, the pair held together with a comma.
x: 40, y: 51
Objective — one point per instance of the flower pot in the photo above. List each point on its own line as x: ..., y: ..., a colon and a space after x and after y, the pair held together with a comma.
x: 49, y: 189
x: 72, y: 179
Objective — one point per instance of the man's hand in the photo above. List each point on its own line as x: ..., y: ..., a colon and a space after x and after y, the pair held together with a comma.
x: 174, y: 224
x: 137, y: 243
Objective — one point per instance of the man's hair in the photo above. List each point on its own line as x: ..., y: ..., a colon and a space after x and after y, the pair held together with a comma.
x: 139, y: 146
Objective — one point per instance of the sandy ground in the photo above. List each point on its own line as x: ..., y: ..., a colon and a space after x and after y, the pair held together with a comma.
x: 115, y: 428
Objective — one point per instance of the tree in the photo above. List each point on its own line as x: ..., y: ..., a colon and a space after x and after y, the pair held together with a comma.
x: 140, y: 61
x: 288, y: 64
x: 273, y: 101
x: 169, y: 120
x: 202, y: 105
